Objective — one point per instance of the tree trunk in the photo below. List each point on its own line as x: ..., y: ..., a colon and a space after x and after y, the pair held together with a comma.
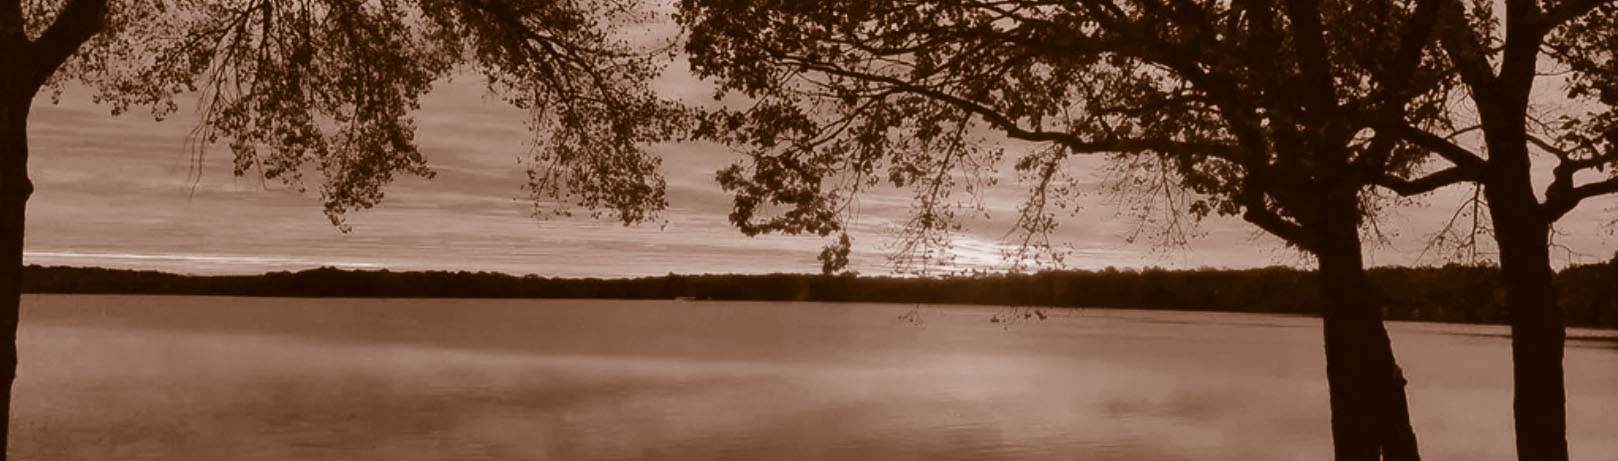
x: 1370, y: 415
x: 1540, y: 402
x: 15, y: 189
x: 26, y: 66
x: 1522, y: 232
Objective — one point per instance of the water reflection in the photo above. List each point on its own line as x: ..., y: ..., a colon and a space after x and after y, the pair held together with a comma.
x: 234, y: 378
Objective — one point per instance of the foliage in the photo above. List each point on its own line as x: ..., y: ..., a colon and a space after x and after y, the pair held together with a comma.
x: 330, y: 86
x: 1249, y: 108
x: 1499, y: 57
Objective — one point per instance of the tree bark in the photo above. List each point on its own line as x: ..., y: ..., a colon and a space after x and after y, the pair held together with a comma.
x: 15, y: 188
x: 1370, y: 414
x: 26, y: 65
x: 1539, y: 405
x: 1522, y: 232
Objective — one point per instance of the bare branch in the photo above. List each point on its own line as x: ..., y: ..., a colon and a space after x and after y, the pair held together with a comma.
x: 1467, y: 244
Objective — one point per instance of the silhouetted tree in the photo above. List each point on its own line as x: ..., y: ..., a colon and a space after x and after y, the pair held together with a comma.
x: 328, y: 86
x: 1255, y: 108
x: 1499, y: 67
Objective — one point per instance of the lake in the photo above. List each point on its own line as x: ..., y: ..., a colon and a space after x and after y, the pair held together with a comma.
x: 217, y: 378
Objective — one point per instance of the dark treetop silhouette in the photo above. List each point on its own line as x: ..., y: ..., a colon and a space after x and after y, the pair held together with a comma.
x: 1579, y: 38
x: 327, y: 87
x: 1255, y: 108
x: 1451, y: 293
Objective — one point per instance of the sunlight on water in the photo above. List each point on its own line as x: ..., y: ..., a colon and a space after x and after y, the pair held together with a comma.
x: 200, y: 378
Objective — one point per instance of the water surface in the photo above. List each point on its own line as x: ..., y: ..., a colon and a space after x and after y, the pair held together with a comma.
x: 206, y: 378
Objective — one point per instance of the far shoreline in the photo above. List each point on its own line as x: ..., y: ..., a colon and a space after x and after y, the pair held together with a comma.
x: 1449, y: 294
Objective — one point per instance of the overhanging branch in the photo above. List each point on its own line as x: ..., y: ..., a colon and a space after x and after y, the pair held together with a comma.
x: 78, y: 21
x: 1011, y: 128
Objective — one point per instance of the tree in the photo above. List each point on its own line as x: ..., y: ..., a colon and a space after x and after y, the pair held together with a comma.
x: 1499, y: 68
x: 1253, y: 108
x: 327, y: 87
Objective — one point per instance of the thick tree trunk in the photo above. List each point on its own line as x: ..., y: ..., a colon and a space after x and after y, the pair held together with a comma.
x: 1537, y: 335
x: 25, y: 65
x: 15, y: 189
x: 1370, y: 415
x: 1522, y: 231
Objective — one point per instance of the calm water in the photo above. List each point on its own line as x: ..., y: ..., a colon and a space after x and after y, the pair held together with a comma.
x: 208, y: 378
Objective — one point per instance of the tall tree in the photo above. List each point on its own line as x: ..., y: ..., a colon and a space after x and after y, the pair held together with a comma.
x: 327, y: 87
x: 1255, y: 108
x: 1500, y: 67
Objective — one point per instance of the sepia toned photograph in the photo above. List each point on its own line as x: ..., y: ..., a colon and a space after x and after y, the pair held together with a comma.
x: 1111, y: 230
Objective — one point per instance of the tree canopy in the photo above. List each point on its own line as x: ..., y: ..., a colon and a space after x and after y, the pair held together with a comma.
x: 1282, y: 112
x: 328, y: 87
x: 1243, y: 105
x: 1496, y: 57
x: 1272, y: 111
x: 1500, y: 57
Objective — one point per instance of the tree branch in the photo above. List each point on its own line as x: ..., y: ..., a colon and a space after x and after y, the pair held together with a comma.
x: 1460, y: 156
x: 1608, y: 186
x: 1311, y: 43
x: 78, y: 21
x: 1524, y: 36
x: 1000, y: 121
x: 1396, y: 82
x: 1273, y: 223
x: 1258, y: 212
x: 11, y: 22
x: 1561, y: 186
x: 1424, y: 184
x: 1560, y: 201
x: 1396, y: 79
x: 1464, y: 49
x: 1566, y: 11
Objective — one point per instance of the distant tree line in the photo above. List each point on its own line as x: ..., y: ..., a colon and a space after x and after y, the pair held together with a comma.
x: 1453, y: 293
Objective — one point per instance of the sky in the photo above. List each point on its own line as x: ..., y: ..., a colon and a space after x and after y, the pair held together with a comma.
x: 119, y: 192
